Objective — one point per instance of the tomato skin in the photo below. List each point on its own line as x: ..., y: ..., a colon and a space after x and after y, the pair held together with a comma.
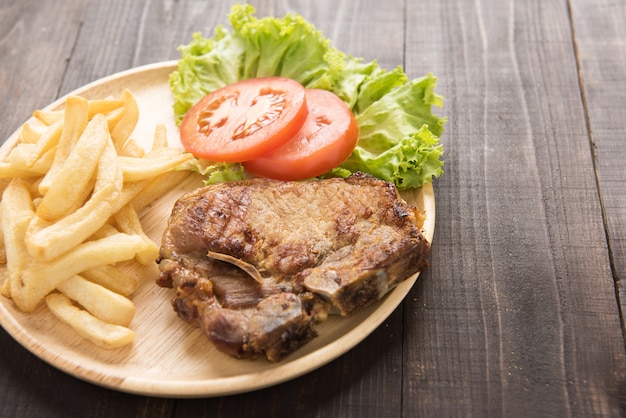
x: 244, y: 120
x: 326, y: 139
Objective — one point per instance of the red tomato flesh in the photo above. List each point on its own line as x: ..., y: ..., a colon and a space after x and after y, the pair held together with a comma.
x: 244, y: 120
x: 328, y: 136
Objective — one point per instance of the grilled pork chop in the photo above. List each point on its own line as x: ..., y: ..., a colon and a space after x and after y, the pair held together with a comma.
x: 258, y: 263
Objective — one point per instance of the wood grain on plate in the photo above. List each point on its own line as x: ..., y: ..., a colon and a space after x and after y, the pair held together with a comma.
x: 170, y: 357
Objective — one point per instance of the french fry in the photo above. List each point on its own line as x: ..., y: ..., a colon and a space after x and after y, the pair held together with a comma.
x: 99, y: 301
x: 105, y: 230
x: 114, y: 117
x: 74, y: 123
x: 48, y: 117
x: 46, y: 141
x: 122, y: 130
x: 8, y: 171
x: 132, y: 189
x: 31, y: 131
x: 132, y: 149
x: 20, y: 159
x: 71, y: 184
x: 165, y: 152
x: 112, y: 278
x: 40, y: 278
x: 46, y: 241
x: 157, y: 187
x: 136, y: 169
x: 16, y: 212
x: 103, y: 334
x: 128, y: 222
x: 160, y: 137
x: 103, y: 106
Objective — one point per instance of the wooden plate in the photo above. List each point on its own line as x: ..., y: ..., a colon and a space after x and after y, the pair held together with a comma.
x: 170, y: 358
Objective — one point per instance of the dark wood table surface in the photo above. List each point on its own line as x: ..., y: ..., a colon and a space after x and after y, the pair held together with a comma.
x: 521, y: 311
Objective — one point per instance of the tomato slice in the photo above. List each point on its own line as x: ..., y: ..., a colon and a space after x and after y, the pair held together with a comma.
x: 244, y: 120
x: 326, y: 139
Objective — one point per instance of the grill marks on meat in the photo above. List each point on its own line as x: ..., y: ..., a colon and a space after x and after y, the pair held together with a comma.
x: 337, y: 244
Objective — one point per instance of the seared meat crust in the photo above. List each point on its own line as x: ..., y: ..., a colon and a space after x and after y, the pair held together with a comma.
x: 316, y: 245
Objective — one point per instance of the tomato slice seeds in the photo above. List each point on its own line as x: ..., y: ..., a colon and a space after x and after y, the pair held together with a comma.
x: 273, y: 126
x: 326, y: 139
x: 244, y: 120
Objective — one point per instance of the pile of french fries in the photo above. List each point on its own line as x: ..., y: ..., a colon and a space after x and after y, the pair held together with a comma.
x: 72, y: 188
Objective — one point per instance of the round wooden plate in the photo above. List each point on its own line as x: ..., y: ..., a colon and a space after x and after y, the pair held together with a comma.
x: 170, y: 358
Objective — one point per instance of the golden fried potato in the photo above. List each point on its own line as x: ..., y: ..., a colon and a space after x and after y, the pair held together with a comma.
x: 136, y: 169
x: 128, y: 222
x: 122, y: 130
x: 46, y: 241
x: 74, y: 123
x: 102, y: 303
x: 71, y: 188
x: 101, y: 333
x: 16, y: 212
x: 48, y: 117
x: 112, y: 278
x: 73, y: 180
x: 42, y: 277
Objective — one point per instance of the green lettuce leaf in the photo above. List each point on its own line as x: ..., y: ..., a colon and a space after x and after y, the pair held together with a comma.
x: 288, y: 47
x: 399, y: 136
x: 205, y: 65
x: 217, y: 172
x: 363, y: 83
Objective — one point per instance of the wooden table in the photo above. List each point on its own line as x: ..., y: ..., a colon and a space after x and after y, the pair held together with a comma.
x: 520, y: 313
